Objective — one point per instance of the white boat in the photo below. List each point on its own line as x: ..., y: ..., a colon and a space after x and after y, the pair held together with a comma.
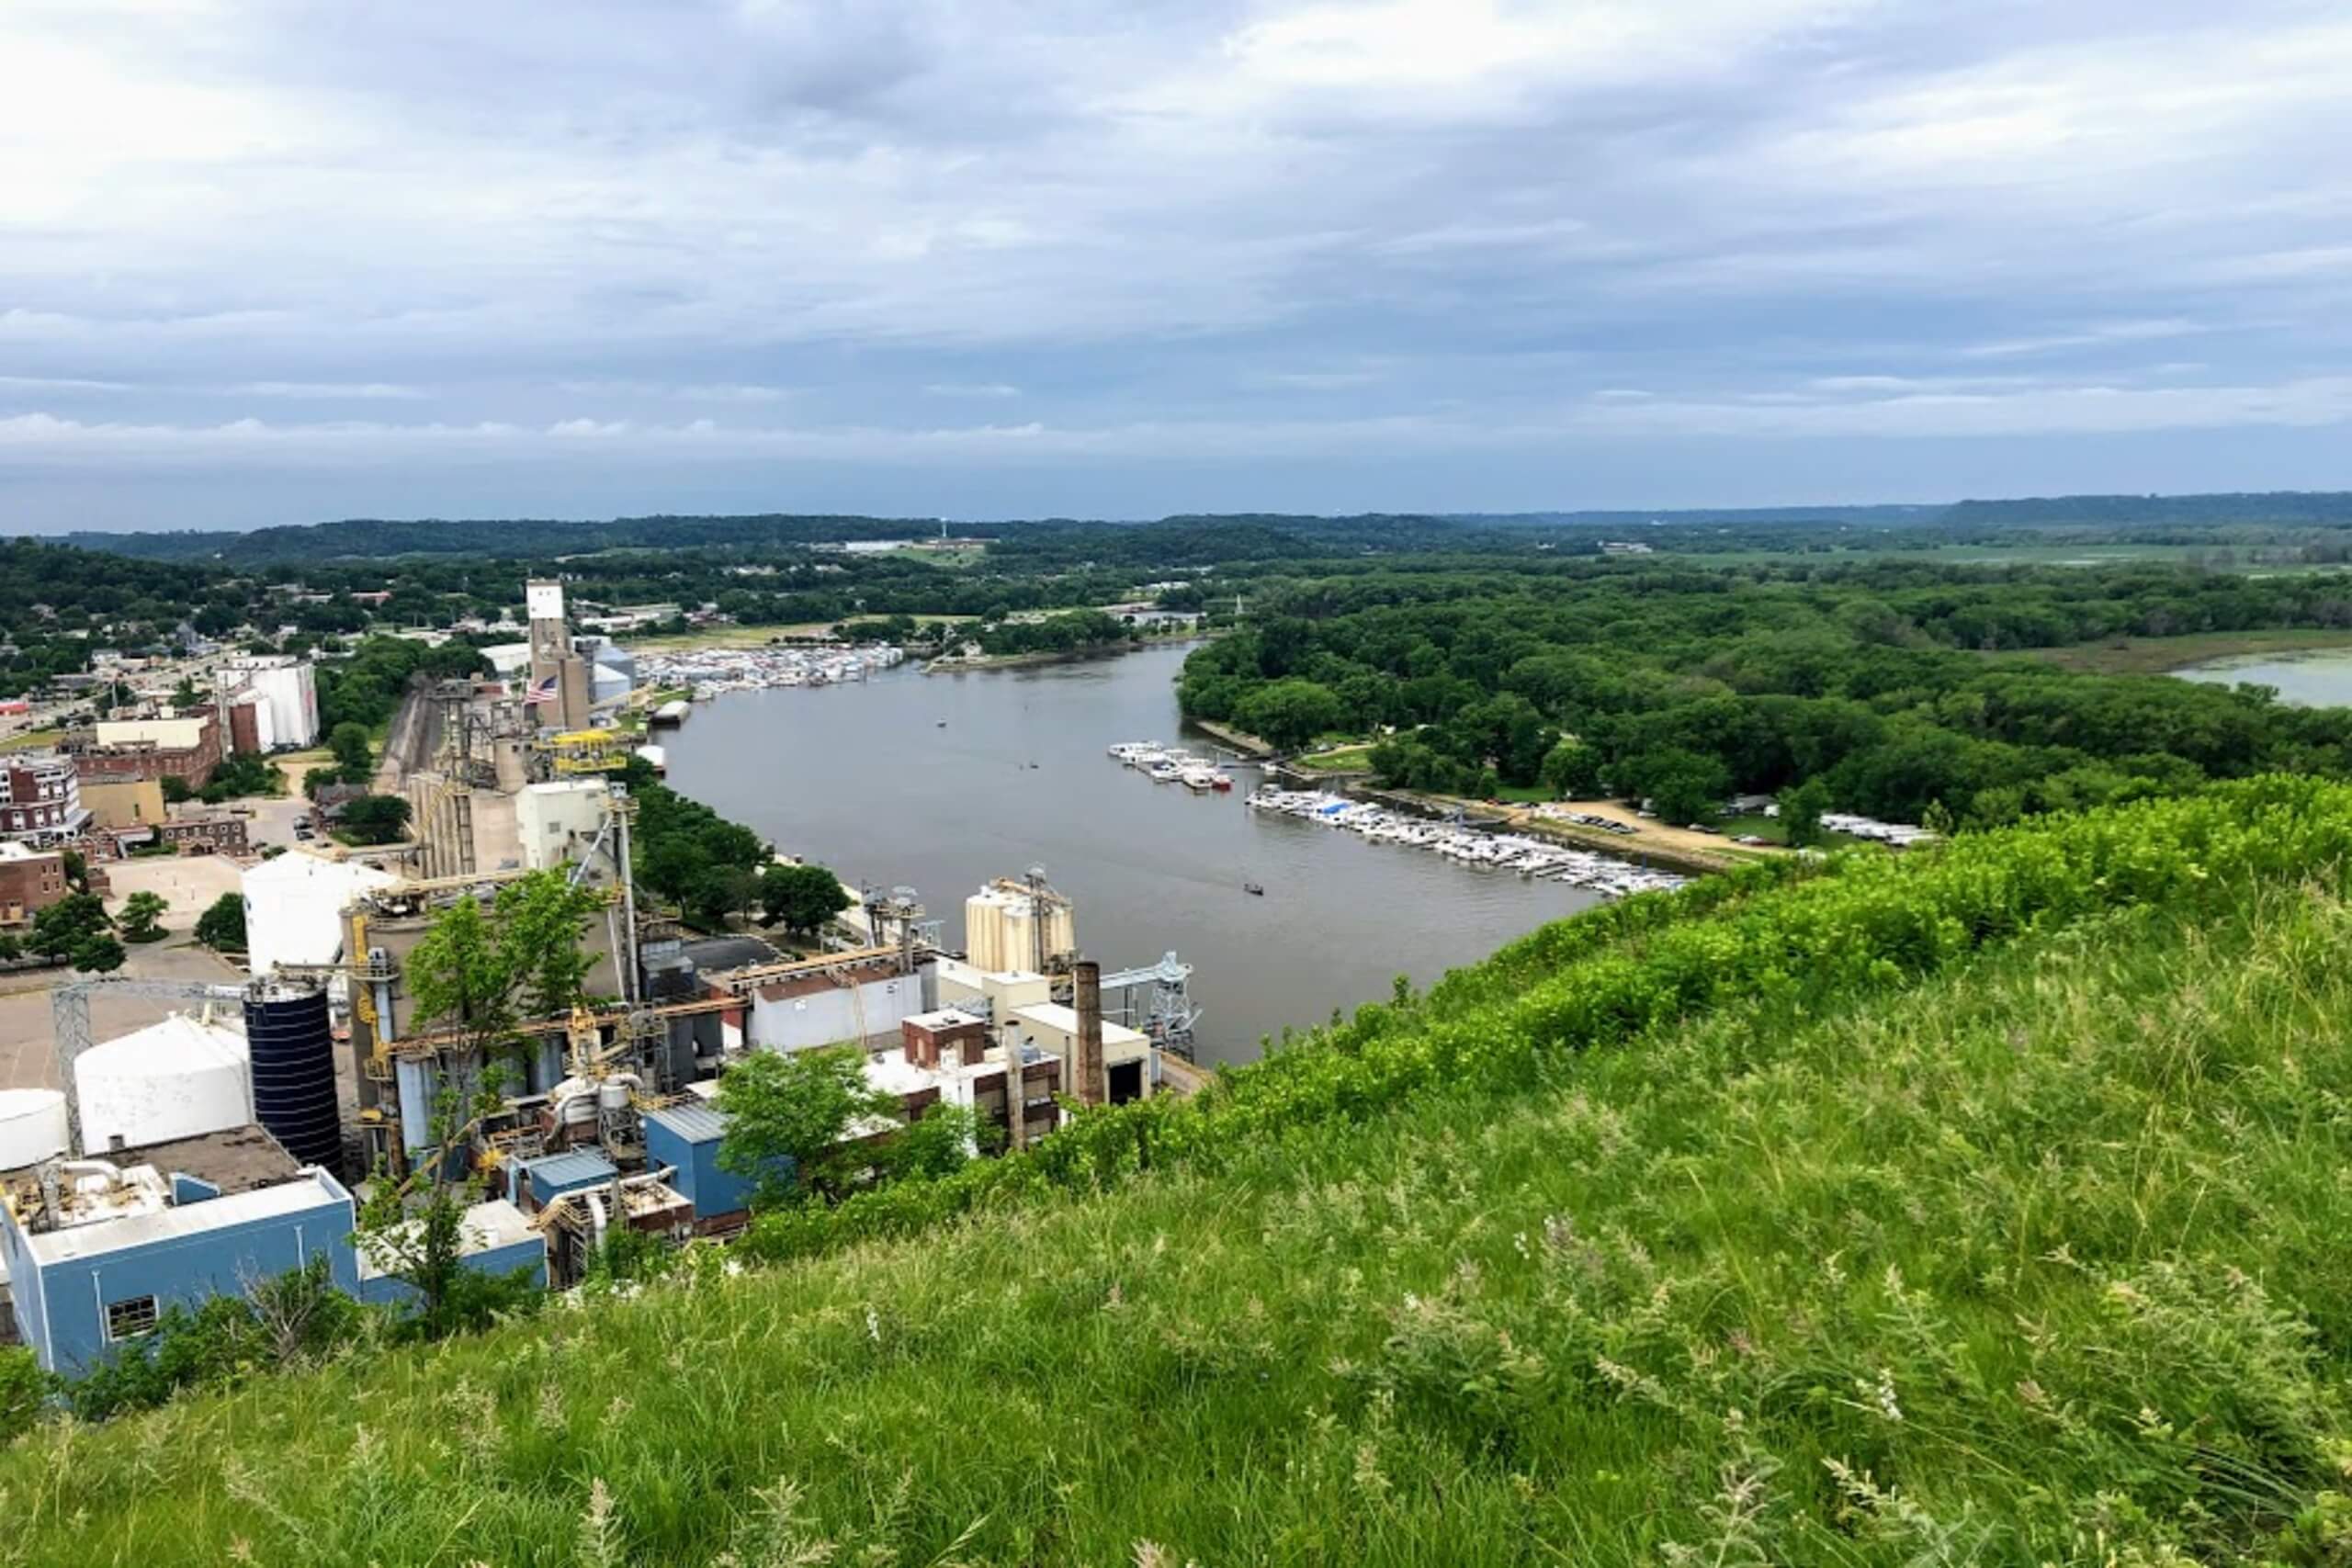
x: 1162, y: 771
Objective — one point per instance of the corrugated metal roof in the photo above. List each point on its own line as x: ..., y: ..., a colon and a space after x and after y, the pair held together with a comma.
x: 695, y: 1124
x: 571, y: 1168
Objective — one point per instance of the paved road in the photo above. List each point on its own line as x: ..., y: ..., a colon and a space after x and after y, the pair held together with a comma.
x: 26, y: 1052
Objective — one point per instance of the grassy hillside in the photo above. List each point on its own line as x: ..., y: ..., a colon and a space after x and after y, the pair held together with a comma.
x: 1999, y: 1228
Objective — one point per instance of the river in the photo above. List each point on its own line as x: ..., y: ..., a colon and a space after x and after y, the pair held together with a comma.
x: 862, y: 778
x: 2319, y: 679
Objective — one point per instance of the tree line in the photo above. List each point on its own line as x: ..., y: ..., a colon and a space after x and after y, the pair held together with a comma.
x: 1692, y: 683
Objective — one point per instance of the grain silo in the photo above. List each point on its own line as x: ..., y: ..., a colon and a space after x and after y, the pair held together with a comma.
x: 179, y: 1078
x: 1003, y: 921
x: 292, y: 1050
x: 32, y: 1126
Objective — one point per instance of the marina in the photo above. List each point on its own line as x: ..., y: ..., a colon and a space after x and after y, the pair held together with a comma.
x: 1530, y: 857
x: 709, y: 672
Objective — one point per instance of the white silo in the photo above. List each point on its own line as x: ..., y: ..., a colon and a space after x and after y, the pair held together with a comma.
x: 178, y: 1079
x: 32, y: 1126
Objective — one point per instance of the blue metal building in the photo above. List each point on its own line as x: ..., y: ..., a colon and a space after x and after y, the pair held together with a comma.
x: 97, y: 1251
x: 687, y: 1137
x: 552, y: 1175
x: 95, y: 1258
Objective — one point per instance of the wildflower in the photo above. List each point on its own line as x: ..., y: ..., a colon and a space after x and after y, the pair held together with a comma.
x: 1885, y: 1394
x: 873, y: 1325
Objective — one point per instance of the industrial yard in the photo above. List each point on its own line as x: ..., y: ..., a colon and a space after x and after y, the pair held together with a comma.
x: 182, y: 1120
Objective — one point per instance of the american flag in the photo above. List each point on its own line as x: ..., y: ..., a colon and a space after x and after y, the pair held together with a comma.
x: 541, y: 690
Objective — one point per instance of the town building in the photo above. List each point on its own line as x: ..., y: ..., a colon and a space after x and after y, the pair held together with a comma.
x: 202, y: 830
x: 124, y: 803
x: 286, y: 690
x: 31, y: 881
x: 185, y: 746
x: 40, y: 799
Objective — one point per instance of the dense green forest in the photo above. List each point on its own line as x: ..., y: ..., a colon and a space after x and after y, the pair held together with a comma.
x: 1877, y: 677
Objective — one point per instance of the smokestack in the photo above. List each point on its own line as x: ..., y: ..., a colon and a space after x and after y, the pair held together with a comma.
x: 1087, y: 995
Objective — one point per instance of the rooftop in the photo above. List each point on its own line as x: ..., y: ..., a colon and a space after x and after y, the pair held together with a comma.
x: 571, y: 1168
x: 1064, y: 1020
x: 695, y: 1122
x: 309, y: 1189
x: 236, y: 1159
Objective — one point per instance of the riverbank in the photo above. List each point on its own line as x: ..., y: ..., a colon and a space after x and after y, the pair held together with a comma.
x: 1240, y: 740
x: 949, y: 664
x: 2164, y: 655
x: 1650, y: 843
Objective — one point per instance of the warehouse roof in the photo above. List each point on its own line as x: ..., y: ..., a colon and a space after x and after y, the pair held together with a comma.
x: 695, y: 1123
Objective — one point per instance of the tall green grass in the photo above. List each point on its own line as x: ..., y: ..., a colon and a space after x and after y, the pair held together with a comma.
x: 2032, y: 1260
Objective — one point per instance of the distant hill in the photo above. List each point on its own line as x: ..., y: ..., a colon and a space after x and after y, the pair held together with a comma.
x: 1222, y: 536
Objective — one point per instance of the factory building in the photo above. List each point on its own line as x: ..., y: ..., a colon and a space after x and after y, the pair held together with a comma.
x: 1053, y: 1029
x: 97, y: 1250
x: 1013, y: 925
x: 495, y: 1237
x: 565, y: 822
x: 561, y: 678
x: 33, y: 1126
x: 684, y: 1139
x: 865, y: 1003
x: 947, y: 1055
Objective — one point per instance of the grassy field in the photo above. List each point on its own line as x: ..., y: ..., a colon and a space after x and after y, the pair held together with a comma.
x: 31, y: 740
x: 1349, y: 758
x: 2157, y: 655
x: 2033, y: 1260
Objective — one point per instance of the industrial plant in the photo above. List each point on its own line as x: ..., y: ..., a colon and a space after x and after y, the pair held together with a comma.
x: 234, y: 1139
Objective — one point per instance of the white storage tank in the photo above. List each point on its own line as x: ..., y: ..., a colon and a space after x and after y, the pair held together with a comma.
x: 294, y: 906
x: 179, y: 1078
x: 32, y: 1126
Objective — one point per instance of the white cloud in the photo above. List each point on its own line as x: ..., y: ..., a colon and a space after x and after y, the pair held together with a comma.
x: 326, y: 391
x: 61, y: 384
x: 1448, y: 217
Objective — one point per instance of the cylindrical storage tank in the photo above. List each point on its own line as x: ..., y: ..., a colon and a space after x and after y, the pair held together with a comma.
x: 293, y: 1064
x: 32, y: 1126
x: 179, y: 1078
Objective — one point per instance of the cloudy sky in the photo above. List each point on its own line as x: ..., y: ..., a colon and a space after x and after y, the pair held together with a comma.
x: 265, y: 263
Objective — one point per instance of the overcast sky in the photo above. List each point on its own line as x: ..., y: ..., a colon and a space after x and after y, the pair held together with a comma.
x: 265, y: 263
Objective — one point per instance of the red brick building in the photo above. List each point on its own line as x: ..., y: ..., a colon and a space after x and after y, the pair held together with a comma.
x: 185, y: 746
x: 31, y: 881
